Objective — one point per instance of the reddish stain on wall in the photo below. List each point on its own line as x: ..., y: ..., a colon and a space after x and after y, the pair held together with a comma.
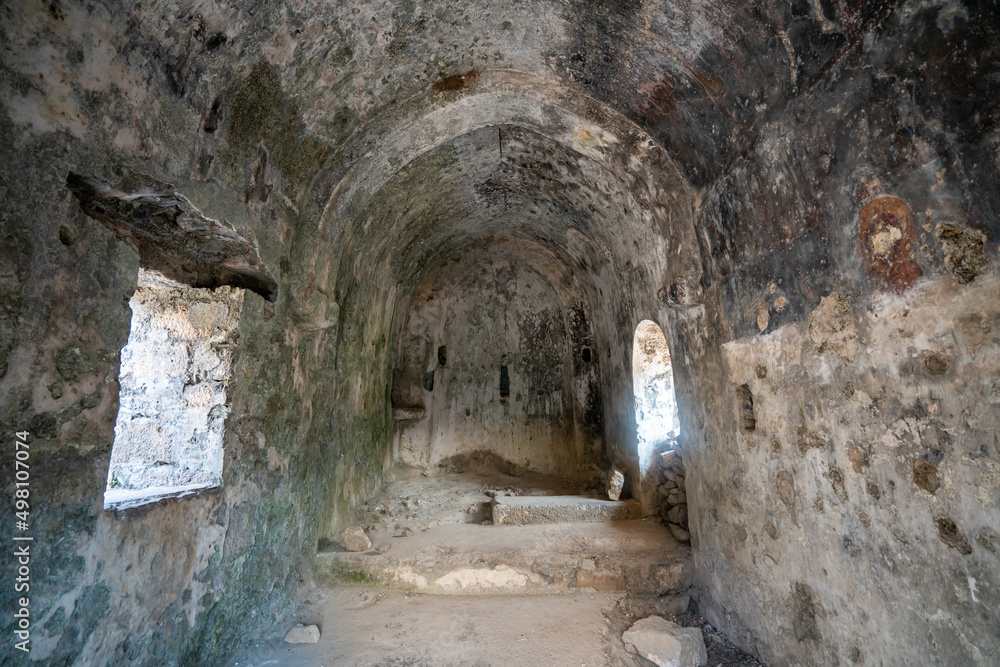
x: 886, y: 234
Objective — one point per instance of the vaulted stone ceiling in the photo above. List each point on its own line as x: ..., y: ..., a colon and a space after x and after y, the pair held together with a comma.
x: 803, y: 195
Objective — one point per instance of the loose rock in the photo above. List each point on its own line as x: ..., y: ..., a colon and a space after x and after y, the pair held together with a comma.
x: 302, y: 634
x: 679, y: 533
x: 678, y: 515
x: 615, y: 482
x: 355, y: 539
x: 667, y: 644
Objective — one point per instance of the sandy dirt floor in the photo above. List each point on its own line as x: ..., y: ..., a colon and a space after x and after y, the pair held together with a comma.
x: 366, y: 626
x: 372, y: 625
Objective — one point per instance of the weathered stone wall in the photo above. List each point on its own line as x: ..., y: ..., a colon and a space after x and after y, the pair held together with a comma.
x: 111, y: 91
x: 842, y: 457
x: 489, y: 353
x: 717, y: 168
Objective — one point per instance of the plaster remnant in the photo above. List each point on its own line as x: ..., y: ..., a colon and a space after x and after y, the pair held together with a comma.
x: 949, y: 534
x: 925, y: 475
x: 858, y: 459
x: 935, y: 365
x: 837, y: 481
x: 771, y: 528
x: 456, y: 81
x: 964, y: 251
x: 831, y: 327
x: 987, y: 540
x: 785, y: 485
x: 804, y: 608
x: 809, y: 438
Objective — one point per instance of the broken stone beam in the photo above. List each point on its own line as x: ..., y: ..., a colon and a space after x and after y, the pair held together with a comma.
x: 172, y: 236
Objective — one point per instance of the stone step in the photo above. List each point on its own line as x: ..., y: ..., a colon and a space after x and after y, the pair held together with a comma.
x: 525, y: 510
x: 640, y: 557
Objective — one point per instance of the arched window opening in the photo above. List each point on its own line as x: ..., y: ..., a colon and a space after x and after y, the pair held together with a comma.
x: 174, y: 373
x: 653, y: 381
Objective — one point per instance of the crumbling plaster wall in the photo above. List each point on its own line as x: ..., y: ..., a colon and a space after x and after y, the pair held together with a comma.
x: 854, y: 259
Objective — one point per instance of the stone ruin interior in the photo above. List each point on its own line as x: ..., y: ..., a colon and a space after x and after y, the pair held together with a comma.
x: 317, y: 312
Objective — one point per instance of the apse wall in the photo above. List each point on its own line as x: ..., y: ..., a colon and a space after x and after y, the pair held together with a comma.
x: 495, y: 358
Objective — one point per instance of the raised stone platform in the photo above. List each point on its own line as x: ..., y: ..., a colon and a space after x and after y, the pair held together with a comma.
x: 640, y: 557
x: 527, y: 510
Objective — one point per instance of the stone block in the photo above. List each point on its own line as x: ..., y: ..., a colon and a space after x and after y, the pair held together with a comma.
x: 524, y: 510
x: 667, y: 644
x: 355, y: 539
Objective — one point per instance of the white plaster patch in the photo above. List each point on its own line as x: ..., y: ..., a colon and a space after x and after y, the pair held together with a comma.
x: 481, y: 579
x: 407, y: 575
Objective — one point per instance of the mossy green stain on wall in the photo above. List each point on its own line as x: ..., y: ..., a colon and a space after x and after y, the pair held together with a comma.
x: 259, y: 110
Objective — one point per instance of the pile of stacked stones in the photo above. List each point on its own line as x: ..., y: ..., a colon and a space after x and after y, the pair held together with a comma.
x: 673, y: 509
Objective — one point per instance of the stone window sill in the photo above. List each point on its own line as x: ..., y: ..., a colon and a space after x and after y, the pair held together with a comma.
x: 123, y: 499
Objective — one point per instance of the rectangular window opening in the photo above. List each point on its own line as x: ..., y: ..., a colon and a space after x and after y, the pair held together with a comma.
x: 174, y: 374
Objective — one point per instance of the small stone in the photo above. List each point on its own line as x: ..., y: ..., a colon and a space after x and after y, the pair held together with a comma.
x: 382, y: 548
x: 677, y: 497
x: 679, y: 533
x: 302, y: 634
x: 616, y: 480
x: 667, y: 644
x: 678, y: 515
x: 355, y: 539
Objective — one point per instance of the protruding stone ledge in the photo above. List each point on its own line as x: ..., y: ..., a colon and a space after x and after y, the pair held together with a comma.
x: 172, y: 236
